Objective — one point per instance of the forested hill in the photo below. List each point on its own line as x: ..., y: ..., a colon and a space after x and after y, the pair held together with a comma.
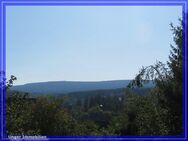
x: 63, y: 87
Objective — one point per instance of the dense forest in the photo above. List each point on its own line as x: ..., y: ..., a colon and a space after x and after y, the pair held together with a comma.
x: 133, y: 111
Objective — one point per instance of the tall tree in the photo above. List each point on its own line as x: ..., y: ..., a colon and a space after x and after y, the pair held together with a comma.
x: 168, y: 83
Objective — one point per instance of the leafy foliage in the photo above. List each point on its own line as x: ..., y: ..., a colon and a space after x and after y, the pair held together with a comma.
x: 168, y: 88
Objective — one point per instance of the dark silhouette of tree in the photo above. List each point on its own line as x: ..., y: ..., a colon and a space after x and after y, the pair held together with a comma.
x: 168, y: 83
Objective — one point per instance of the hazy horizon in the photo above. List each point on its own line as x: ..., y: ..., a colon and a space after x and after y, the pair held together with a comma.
x: 73, y: 81
x: 86, y: 43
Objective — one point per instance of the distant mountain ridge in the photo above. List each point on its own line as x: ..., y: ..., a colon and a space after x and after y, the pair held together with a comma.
x: 63, y: 87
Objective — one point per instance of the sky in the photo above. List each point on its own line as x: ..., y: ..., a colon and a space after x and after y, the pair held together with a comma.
x: 86, y: 43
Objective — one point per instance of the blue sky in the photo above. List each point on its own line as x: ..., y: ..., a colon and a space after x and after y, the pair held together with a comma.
x: 86, y: 43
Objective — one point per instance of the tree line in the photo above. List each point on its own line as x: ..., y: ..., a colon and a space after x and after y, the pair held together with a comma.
x: 158, y: 112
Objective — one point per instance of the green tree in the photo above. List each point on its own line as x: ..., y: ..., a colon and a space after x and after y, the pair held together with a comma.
x: 51, y: 118
x: 86, y: 127
x: 168, y: 84
x: 18, y: 115
x: 64, y: 123
x: 18, y: 112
